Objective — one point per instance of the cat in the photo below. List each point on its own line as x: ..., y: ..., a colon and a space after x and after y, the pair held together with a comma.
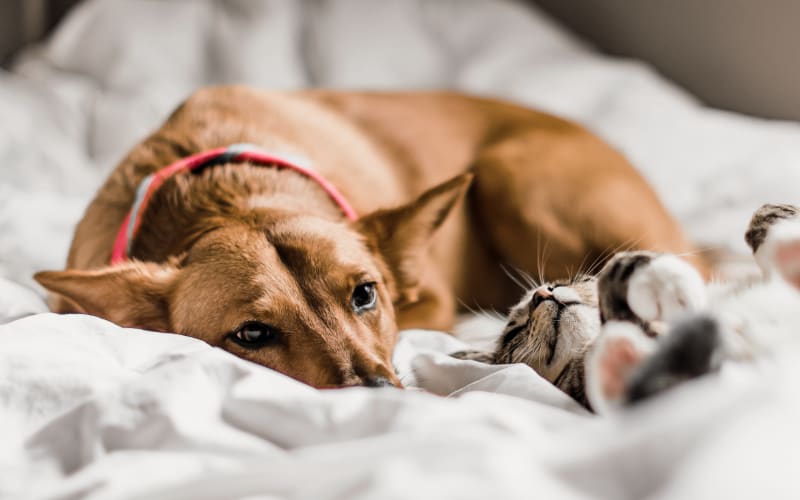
x: 647, y: 321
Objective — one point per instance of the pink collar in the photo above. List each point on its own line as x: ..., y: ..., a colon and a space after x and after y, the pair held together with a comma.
x: 235, y: 153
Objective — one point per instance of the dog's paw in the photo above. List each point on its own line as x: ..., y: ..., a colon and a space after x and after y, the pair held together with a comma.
x: 612, y: 362
x: 649, y: 289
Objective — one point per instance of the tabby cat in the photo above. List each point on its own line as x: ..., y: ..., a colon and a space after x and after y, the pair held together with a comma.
x: 647, y: 321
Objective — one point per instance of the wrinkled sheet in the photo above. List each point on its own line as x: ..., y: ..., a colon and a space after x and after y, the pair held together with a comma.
x: 89, y: 409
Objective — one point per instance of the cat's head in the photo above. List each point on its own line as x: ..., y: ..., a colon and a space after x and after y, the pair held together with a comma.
x: 550, y: 330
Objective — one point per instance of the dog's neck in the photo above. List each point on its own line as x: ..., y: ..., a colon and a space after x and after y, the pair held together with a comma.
x: 188, y: 206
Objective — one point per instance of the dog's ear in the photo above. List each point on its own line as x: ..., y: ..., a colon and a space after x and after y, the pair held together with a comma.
x: 401, y: 235
x: 133, y: 294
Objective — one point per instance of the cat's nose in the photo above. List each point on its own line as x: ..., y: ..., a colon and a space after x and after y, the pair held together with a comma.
x: 541, y: 294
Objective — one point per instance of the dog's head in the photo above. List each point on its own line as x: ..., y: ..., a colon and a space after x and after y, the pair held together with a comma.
x: 310, y: 297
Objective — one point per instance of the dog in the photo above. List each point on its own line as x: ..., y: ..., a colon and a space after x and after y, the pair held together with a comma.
x: 345, y: 217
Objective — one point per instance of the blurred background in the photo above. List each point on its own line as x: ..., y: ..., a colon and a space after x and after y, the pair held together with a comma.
x: 703, y: 96
x: 732, y: 54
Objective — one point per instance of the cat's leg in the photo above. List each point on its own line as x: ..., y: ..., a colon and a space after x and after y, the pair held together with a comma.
x: 625, y: 366
x: 639, y: 293
x: 770, y: 229
x: 611, y: 362
x: 696, y: 345
x: 692, y: 348
x: 648, y: 289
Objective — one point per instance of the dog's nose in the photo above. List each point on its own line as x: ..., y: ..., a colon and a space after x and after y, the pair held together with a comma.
x: 377, y: 382
x: 541, y: 294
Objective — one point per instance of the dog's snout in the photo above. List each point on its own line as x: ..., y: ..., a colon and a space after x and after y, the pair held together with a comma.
x: 378, y: 382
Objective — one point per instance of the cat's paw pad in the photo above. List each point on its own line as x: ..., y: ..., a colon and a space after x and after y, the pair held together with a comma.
x: 692, y: 349
x: 620, y: 349
x: 665, y: 288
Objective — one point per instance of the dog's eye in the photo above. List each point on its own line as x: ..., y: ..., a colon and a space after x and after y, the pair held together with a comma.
x: 364, y: 297
x: 254, y: 334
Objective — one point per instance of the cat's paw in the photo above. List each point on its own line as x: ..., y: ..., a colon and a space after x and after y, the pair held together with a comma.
x: 625, y: 366
x: 786, y: 256
x: 612, y: 362
x: 764, y: 219
x: 649, y: 289
x: 692, y: 348
x: 665, y: 288
x: 774, y: 236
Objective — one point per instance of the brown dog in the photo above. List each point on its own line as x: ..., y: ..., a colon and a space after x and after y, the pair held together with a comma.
x: 262, y: 262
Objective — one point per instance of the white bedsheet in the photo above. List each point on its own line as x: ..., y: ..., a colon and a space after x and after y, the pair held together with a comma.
x: 87, y: 408
x: 90, y: 409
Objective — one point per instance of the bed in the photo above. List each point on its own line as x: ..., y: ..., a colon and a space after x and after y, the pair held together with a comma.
x: 91, y: 410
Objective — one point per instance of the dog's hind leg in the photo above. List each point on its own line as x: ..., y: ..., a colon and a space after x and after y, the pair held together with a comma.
x: 555, y: 201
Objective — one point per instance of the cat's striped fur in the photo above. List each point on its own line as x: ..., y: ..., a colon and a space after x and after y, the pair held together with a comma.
x: 647, y: 321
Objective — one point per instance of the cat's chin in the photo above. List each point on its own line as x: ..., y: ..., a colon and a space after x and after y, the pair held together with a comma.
x: 577, y: 326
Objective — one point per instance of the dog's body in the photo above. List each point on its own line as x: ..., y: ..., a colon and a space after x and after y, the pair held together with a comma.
x: 548, y: 196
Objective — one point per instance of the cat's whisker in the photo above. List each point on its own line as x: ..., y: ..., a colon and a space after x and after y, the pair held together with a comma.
x: 513, y: 278
x: 700, y: 250
x: 469, y: 308
x: 542, y: 259
x: 496, y: 314
x: 600, y: 259
x: 527, y: 278
x: 607, y: 253
x: 481, y: 311
x: 580, y: 266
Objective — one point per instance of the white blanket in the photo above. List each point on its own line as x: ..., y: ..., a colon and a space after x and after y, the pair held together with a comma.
x: 89, y: 409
